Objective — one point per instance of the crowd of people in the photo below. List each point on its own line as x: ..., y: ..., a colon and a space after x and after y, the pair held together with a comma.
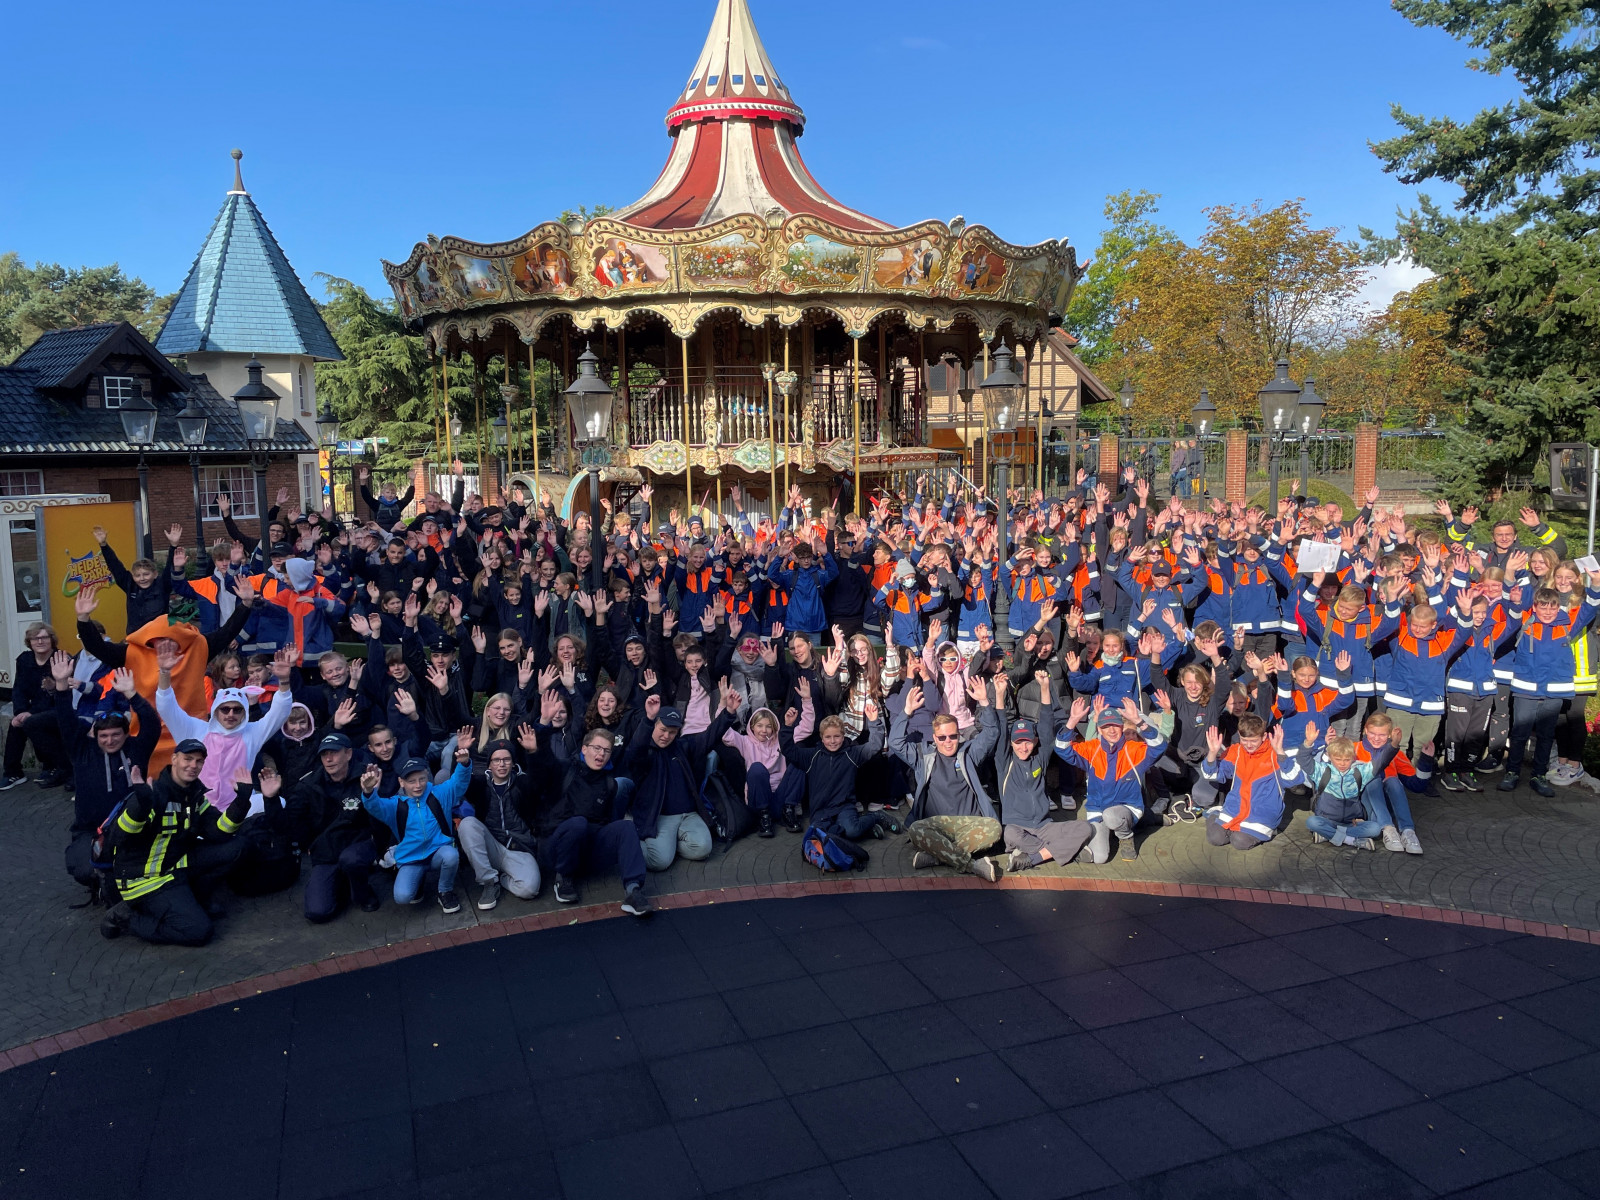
x: 539, y: 700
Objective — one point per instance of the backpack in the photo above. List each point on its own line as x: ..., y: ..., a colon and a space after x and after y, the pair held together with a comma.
x: 400, y: 818
x: 729, y: 816
x: 826, y: 852
x: 102, y: 850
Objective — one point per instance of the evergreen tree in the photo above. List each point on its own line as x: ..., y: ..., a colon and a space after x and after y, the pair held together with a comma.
x: 49, y: 296
x: 1518, y: 259
x: 1092, y: 315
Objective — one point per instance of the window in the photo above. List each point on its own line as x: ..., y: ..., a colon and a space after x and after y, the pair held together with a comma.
x: 237, y: 483
x: 302, y: 392
x: 21, y: 483
x: 938, y: 378
x: 311, y: 497
x: 116, y: 390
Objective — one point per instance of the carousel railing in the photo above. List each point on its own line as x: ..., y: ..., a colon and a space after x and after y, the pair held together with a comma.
x: 656, y: 411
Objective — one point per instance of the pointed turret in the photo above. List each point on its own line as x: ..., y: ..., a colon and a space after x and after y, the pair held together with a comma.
x: 242, y: 296
x: 734, y: 128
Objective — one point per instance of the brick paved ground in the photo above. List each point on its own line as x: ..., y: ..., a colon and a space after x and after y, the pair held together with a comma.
x: 1514, y: 856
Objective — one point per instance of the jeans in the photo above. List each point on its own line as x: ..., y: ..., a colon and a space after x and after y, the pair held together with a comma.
x: 1361, y: 829
x: 1388, y: 804
x: 760, y: 795
x: 409, y: 876
x: 515, y: 870
x: 328, y: 883
x: 854, y: 826
x: 579, y: 848
x: 684, y: 835
x: 1533, y: 716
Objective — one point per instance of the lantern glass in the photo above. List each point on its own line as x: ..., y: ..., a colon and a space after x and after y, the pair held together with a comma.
x: 1279, y: 400
x: 258, y: 406
x: 589, y: 399
x: 1002, y: 391
x: 327, y: 426
x: 138, y: 418
x: 192, y: 423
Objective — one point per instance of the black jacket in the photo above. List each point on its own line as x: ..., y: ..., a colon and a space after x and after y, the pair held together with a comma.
x: 100, y: 780
x: 650, y: 765
x: 511, y: 816
x: 831, y: 774
x: 326, y: 815
x: 147, y: 603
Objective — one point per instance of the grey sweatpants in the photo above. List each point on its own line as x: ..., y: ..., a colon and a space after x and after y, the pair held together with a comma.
x: 1062, y: 838
x: 1120, y: 820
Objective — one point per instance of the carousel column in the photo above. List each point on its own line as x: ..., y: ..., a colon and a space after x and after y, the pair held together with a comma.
x: 688, y: 460
x: 710, y: 426
x: 808, y: 400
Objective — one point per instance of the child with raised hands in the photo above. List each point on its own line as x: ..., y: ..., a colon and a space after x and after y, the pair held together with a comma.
x: 1115, y: 764
x: 1259, y: 771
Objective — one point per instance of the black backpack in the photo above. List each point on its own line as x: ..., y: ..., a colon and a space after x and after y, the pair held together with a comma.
x: 729, y: 816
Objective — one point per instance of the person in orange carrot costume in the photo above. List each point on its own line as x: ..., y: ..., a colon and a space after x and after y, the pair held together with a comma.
x: 182, y: 626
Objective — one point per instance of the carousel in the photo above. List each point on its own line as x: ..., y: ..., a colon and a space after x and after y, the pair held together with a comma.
x: 736, y: 324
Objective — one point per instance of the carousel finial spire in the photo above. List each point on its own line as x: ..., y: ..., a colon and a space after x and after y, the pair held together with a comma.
x: 238, y: 178
x: 733, y: 75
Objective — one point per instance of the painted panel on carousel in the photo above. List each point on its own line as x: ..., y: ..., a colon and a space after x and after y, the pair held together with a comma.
x: 913, y: 266
x: 430, y: 286
x: 478, y: 279
x: 542, y: 270
x: 732, y: 260
x: 818, y: 262
x: 982, y: 271
x: 1033, y: 280
x: 405, y: 294
x: 620, y: 263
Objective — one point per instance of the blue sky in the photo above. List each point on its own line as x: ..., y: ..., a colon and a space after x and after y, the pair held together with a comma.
x: 366, y: 126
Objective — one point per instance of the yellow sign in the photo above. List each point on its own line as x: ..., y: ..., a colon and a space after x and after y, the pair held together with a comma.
x: 73, y: 561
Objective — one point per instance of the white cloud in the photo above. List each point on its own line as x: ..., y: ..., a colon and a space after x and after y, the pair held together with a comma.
x: 1387, y: 279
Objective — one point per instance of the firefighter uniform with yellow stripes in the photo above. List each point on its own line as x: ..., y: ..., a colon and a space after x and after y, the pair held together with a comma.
x: 173, y: 849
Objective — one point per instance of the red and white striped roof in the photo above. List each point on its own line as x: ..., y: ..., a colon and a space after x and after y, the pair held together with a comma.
x: 734, y: 129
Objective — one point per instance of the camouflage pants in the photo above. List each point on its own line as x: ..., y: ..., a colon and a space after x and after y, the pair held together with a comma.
x: 954, y: 840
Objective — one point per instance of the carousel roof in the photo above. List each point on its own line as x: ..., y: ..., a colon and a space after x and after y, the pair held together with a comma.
x: 734, y: 128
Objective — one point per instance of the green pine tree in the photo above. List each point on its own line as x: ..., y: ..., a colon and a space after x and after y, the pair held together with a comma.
x: 1518, y: 258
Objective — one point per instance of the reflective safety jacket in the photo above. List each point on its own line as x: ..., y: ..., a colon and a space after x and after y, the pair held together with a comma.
x: 1296, y: 706
x: 1543, y: 664
x: 158, y: 826
x: 1333, y: 634
x: 1418, y: 667
x: 1116, y: 773
x: 1255, y: 587
x: 1474, y: 671
x: 1254, y: 804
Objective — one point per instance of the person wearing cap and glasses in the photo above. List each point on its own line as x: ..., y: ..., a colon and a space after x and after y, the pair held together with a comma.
x: 1030, y: 835
x: 328, y: 821
x: 172, y: 849
x: 952, y: 818
x: 420, y: 819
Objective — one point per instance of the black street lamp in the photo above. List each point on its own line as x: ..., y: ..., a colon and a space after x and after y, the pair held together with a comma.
x: 589, y: 401
x: 501, y: 465
x: 1279, y: 400
x: 192, y: 422
x: 1002, y: 392
x: 1204, y: 418
x: 328, y: 439
x: 1125, y: 396
x: 1307, y: 417
x: 258, y: 413
x: 139, y: 428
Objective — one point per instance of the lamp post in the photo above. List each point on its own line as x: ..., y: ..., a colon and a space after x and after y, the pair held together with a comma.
x: 1126, y: 396
x: 192, y: 422
x: 589, y: 401
x: 1001, y: 392
x: 139, y: 428
x: 258, y: 412
x: 966, y: 395
x: 1203, y: 416
x: 1044, y: 415
x: 1307, y: 417
x: 328, y: 439
x: 501, y: 465
x: 1279, y: 400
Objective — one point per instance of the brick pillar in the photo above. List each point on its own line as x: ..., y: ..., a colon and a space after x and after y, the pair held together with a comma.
x: 1366, y: 467
x: 419, y: 479
x: 1237, y: 466
x: 1110, y: 466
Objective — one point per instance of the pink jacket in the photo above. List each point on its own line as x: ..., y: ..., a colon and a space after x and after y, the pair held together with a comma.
x: 770, y: 754
x: 952, y: 686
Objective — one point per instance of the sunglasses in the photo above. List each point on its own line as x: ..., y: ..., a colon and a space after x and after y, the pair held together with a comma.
x: 947, y: 737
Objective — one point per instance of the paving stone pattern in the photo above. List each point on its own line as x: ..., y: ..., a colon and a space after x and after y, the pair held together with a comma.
x: 1019, y: 1045
x: 1515, y: 856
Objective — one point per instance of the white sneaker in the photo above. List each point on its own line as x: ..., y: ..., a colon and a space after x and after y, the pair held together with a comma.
x: 1392, y: 839
x: 1560, y: 774
x: 1412, y: 843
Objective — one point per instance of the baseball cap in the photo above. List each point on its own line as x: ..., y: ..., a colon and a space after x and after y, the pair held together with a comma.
x: 280, y: 550
x: 1161, y: 567
x: 1024, y: 728
x: 442, y: 645
x: 412, y: 765
x: 190, y: 746
x: 671, y: 718
x: 1111, y: 716
x: 333, y: 741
